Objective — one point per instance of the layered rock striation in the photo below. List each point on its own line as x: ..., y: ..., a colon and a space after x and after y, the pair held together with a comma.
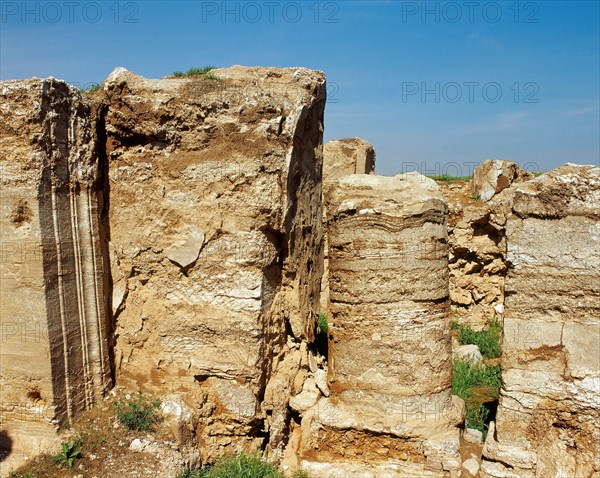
x: 55, y: 350
x: 548, y: 418
x: 390, y: 408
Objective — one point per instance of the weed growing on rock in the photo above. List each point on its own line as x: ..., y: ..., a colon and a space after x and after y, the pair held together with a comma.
x: 300, y: 474
x: 137, y: 414
x: 70, y: 450
x: 199, y: 72
x: 91, y: 89
x: 323, y: 327
x: 476, y: 385
x: 238, y: 466
x: 448, y: 179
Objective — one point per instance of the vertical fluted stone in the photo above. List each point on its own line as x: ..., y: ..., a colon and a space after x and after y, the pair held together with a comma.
x: 54, y: 352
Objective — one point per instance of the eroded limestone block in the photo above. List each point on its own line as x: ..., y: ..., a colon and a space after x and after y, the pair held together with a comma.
x: 549, y: 418
x: 494, y: 175
x: 347, y: 156
x: 216, y: 239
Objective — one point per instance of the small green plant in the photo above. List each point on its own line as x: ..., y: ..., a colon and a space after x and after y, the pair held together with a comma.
x: 91, y: 440
x: 90, y: 89
x: 240, y: 466
x: 476, y: 197
x: 323, y: 327
x: 199, y: 72
x: 488, y: 339
x: 138, y: 414
x: 70, y: 450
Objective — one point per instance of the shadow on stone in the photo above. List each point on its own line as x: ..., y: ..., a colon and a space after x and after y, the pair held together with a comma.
x: 5, y: 445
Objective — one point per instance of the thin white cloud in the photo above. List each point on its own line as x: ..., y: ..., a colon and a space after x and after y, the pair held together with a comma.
x: 509, y: 120
x: 580, y: 111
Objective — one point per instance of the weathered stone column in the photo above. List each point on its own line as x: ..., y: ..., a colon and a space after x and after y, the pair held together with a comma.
x: 548, y: 422
x: 54, y: 358
x: 391, y: 409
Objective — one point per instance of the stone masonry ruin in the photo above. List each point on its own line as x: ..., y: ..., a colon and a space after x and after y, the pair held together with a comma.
x: 181, y: 236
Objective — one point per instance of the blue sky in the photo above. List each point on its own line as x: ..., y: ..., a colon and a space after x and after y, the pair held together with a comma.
x: 435, y: 86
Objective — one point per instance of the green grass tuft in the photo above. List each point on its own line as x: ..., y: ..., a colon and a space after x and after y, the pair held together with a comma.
x: 138, y: 414
x: 323, y: 327
x: 488, y: 339
x: 90, y: 89
x: 478, y: 383
x: 466, y: 377
x: 448, y: 179
x: 198, y: 72
x: 242, y: 465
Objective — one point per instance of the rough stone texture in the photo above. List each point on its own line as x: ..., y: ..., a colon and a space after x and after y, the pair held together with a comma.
x: 390, y: 349
x: 469, y: 353
x: 54, y: 359
x: 472, y: 466
x: 477, y: 258
x: 341, y: 158
x: 215, y: 240
x: 494, y: 175
x: 548, y: 422
x: 347, y: 156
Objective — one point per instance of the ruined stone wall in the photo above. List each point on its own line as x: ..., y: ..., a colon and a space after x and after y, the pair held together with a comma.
x: 390, y: 409
x: 215, y: 237
x: 54, y: 350
x: 548, y: 418
x: 478, y: 211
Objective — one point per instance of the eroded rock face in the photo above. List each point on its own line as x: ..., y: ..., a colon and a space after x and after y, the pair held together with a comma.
x: 54, y: 351
x: 548, y: 418
x: 494, y: 175
x: 389, y: 349
x: 215, y: 240
x: 477, y: 258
